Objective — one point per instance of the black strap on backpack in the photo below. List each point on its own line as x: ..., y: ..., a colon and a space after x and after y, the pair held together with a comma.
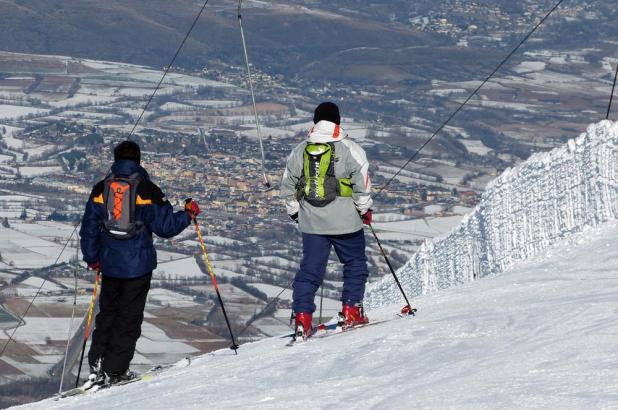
x: 119, y: 196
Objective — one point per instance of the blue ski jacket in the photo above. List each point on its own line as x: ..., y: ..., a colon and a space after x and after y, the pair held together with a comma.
x: 135, y: 257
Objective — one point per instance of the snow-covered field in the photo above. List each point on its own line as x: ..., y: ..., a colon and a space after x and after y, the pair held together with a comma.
x: 416, y: 228
x: 24, y: 251
x: 155, y: 340
x: 540, y: 336
x: 38, y: 329
x: 164, y: 297
x: 38, y: 171
x: 17, y: 111
x: 181, y: 268
x: 330, y: 307
x: 476, y: 146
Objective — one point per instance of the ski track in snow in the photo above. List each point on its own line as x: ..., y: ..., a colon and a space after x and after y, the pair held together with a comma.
x: 540, y: 336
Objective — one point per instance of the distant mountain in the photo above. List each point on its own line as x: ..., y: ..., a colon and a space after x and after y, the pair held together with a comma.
x: 282, y: 38
x: 370, y: 42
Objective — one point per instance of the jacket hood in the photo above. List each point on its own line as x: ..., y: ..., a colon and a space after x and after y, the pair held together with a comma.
x: 126, y: 167
x: 326, y: 131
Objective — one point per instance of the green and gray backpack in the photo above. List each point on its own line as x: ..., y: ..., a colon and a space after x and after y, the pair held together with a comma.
x: 318, y: 184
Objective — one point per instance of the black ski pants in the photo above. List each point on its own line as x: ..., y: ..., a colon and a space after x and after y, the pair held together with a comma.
x: 119, y: 322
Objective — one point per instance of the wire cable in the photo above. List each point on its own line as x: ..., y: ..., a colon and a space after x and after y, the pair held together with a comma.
x: 70, y: 331
x: 461, y: 106
x: 169, y: 66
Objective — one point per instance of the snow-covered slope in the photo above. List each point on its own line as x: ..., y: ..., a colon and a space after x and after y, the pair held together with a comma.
x: 542, y: 336
x: 523, y: 211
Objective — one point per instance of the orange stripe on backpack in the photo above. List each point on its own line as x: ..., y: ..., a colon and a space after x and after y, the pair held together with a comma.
x: 118, y: 190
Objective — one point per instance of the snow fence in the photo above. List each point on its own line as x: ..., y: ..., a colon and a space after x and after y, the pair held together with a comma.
x: 528, y: 208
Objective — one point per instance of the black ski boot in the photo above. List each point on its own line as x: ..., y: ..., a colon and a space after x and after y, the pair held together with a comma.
x: 95, y: 378
x: 119, y: 378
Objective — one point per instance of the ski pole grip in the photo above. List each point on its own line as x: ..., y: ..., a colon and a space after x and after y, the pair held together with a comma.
x: 187, y: 202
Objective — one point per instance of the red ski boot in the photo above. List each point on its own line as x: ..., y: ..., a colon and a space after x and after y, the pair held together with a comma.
x: 304, y: 322
x: 353, y: 315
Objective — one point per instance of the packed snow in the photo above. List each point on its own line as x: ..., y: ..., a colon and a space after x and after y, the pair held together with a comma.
x: 540, y: 336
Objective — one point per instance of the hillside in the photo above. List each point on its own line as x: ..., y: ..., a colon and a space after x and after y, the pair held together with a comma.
x: 536, y: 331
x: 277, y: 32
x: 540, y: 336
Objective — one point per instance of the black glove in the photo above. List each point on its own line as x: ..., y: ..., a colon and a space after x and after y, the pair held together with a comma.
x: 294, y: 217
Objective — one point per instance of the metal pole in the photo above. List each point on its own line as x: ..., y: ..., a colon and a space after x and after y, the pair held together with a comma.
x: 66, y: 352
x: 249, y: 76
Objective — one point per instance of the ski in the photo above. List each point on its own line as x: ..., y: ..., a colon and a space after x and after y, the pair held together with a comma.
x: 148, y: 375
x: 321, y: 332
x: 326, y: 330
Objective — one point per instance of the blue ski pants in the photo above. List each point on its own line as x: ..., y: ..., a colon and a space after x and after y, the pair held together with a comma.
x: 350, y: 249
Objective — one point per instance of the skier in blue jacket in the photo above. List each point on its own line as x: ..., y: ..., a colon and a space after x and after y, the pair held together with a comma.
x: 126, y: 263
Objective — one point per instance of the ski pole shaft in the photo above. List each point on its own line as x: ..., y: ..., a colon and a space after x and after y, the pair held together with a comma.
x: 81, y: 362
x: 388, y: 262
x: 611, y: 97
x: 97, y: 279
x: 214, y: 282
x: 321, y: 300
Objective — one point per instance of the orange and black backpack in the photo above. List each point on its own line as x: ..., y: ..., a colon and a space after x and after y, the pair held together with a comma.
x: 119, y: 196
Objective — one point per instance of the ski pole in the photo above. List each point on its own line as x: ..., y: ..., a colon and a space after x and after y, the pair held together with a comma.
x: 214, y: 282
x: 321, y: 300
x: 611, y: 97
x: 97, y: 279
x: 407, y: 309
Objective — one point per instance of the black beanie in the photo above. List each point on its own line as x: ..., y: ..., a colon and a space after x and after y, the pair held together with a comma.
x: 127, y: 150
x: 327, y: 111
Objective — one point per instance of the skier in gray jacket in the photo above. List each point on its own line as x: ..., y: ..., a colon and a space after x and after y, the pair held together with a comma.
x: 326, y: 188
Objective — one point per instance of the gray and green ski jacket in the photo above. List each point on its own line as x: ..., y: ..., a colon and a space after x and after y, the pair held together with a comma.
x: 342, y: 215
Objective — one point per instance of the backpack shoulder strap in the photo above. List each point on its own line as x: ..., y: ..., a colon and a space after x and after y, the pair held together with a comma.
x: 134, y: 180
